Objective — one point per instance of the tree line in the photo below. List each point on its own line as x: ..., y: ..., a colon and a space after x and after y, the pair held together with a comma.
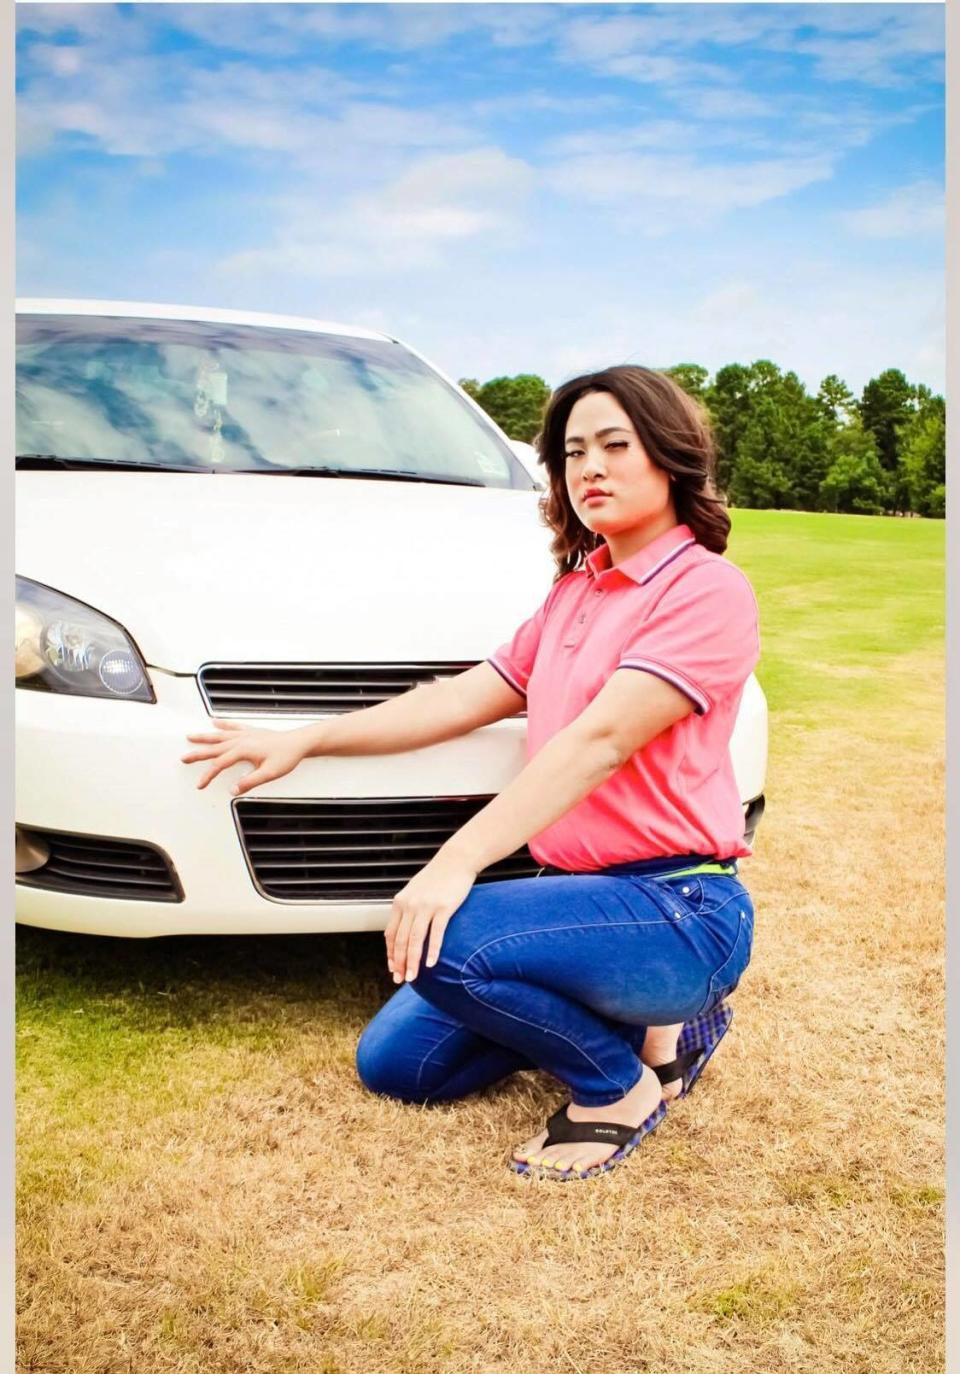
x: 780, y: 446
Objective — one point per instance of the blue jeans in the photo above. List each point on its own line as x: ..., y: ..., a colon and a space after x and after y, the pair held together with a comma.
x: 562, y: 974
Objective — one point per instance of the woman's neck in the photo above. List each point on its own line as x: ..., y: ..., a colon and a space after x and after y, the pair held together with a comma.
x: 625, y: 543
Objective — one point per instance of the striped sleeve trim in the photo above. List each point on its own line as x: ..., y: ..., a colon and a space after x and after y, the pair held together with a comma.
x: 508, y: 678
x: 645, y: 665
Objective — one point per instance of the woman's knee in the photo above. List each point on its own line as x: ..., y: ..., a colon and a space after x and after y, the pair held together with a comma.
x: 379, y: 1067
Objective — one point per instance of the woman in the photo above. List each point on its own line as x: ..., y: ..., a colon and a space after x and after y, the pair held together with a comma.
x: 610, y: 969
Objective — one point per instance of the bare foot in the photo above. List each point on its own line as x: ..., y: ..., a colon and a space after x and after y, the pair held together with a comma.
x: 660, y: 1047
x: 640, y: 1102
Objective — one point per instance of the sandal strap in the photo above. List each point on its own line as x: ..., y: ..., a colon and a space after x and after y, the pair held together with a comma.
x: 677, y: 1067
x: 562, y: 1131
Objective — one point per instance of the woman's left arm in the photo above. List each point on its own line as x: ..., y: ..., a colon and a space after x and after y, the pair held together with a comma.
x: 629, y: 710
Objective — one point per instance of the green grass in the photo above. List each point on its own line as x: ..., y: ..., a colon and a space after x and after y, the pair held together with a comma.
x: 113, y: 1034
x: 848, y: 605
x: 758, y: 1301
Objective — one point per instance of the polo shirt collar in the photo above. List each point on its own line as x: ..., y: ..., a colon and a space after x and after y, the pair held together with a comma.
x: 643, y: 566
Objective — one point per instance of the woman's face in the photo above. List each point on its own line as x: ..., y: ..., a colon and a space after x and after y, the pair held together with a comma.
x: 604, y: 455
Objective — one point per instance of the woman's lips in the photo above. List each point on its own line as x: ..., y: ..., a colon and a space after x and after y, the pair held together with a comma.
x: 594, y: 496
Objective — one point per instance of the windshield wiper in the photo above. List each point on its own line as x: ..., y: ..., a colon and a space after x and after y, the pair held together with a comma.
x: 383, y: 474
x: 57, y: 460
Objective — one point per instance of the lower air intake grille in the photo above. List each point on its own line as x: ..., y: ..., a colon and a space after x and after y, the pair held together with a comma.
x: 99, y: 867
x: 355, y: 850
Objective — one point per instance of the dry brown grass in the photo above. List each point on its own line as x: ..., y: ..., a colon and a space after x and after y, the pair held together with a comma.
x: 259, y: 1213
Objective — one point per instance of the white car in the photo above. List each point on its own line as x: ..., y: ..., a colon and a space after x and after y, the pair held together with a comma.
x: 530, y: 459
x: 163, y: 579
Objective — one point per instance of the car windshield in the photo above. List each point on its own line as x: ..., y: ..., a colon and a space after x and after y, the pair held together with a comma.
x: 244, y: 398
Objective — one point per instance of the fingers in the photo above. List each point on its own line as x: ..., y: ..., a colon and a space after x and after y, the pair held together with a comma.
x: 389, y: 936
x: 402, y: 919
x: 226, y: 760
x: 405, y: 950
x: 440, y: 923
x: 210, y: 752
x: 434, y: 928
x: 253, y: 779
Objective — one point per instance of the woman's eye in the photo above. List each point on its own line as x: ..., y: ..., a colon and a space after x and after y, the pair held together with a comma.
x: 617, y: 443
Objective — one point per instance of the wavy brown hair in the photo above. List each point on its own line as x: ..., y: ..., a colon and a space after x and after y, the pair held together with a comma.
x: 674, y: 431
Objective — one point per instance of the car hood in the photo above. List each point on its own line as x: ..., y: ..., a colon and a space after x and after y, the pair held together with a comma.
x: 230, y: 568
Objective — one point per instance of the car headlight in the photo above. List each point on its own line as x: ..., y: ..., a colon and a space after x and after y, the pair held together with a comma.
x: 64, y: 646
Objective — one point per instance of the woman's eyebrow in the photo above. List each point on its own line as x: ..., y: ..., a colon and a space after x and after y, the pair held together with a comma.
x: 611, y: 429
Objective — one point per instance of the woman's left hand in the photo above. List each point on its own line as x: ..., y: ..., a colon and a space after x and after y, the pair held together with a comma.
x: 425, y: 906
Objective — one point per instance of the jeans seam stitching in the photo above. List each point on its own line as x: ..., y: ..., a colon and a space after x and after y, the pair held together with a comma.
x: 549, y: 1030
x: 554, y: 930
x: 431, y: 1052
x: 712, y: 982
x: 723, y: 905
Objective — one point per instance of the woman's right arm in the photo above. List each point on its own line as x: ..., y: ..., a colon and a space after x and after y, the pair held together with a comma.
x: 428, y: 714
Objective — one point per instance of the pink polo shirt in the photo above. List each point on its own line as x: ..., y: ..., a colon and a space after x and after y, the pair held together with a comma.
x: 686, y: 615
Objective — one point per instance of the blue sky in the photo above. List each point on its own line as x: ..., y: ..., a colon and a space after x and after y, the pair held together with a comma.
x: 538, y: 188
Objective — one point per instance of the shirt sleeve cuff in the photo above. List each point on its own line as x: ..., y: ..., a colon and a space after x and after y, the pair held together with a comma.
x: 701, y: 702
x: 507, y: 676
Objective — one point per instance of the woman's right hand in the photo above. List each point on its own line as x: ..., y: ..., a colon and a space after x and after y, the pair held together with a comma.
x: 274, y: 753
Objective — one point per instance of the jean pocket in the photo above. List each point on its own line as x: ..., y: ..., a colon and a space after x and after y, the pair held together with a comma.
x: 730, y: 972
x: 690, y: 893
x: 676, y: 897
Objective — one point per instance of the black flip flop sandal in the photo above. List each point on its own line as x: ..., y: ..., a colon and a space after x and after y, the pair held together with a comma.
x: 562, y: 1131
x: 698, y: 1040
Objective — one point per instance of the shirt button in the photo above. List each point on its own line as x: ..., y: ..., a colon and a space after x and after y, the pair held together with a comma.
x: 685, y: 891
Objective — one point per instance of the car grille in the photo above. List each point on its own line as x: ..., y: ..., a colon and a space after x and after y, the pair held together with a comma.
x: 101, y: 867
x: 312, y: 688
x: 355, y: 849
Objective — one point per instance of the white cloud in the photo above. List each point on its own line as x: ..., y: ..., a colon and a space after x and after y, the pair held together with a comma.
x: 435, y: 205
x: 282, y: 30
x: 149, y: 106
x: 885, y: 54
x: 905, y: 212
x: 659, y: 70
x: 874, y: 45
x: 657, y: 191
x: 726, y: 104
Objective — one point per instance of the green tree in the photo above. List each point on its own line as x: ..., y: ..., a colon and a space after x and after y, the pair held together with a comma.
x: 772, y: 437
x: 761, y: 477
x: 728, y: 400
x: 836, y: 399
x: 803, y: 440
x: 691, y: 376
x: 515, y: 403
x: 471, y: 386
x: 923, y: 455
x: 886, y: 404
x: 855, y: 482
